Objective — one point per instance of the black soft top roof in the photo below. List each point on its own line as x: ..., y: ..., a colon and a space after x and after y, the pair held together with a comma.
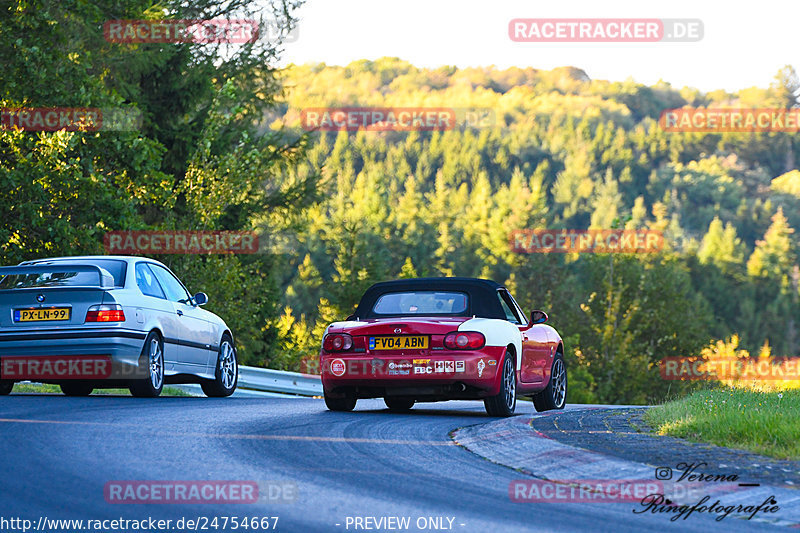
x: 482, y: 298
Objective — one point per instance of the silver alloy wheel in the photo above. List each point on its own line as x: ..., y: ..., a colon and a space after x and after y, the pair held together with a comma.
x: 156, y: 363
x: 559, y: 384
x: 227, y: 365
x: 510, y: 383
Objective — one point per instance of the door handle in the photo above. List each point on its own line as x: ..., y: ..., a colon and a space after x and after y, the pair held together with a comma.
x: 180, y: 313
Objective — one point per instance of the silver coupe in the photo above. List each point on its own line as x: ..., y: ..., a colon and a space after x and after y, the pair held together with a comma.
x: 109, y: 321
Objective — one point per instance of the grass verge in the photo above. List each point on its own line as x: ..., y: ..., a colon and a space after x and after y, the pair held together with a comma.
x: 44, y: 388
x: 764, y: 422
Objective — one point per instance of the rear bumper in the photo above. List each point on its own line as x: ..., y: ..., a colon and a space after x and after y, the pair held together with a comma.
x: 53, y: 355
x: 437, y: 375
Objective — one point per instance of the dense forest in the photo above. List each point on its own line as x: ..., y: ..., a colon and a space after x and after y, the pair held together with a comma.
x: 567, y: 152
x: 221, y: 147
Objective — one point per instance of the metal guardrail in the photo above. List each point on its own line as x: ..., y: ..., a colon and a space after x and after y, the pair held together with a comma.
x: 264, y: 379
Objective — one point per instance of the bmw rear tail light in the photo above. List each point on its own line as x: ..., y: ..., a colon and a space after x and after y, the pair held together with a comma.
x: 464, y: 340
x: 337, y: 342
x: 105, y: 313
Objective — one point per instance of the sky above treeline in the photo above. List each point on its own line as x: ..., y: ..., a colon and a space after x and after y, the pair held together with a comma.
x: 743, y: 45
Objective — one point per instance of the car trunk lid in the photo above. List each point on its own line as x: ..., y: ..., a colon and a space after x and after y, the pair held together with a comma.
x: 44, y: 296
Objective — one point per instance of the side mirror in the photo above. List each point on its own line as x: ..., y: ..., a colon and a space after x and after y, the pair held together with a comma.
x: 537, y: 317
x: 200, y: 298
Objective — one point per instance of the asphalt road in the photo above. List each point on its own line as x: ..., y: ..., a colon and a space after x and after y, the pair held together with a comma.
x: 59, y: 453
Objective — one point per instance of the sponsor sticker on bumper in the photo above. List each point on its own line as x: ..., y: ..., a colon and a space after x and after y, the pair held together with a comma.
x: 389, y: 368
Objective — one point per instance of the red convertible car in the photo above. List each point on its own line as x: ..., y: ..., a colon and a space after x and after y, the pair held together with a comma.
x: 435, y: 339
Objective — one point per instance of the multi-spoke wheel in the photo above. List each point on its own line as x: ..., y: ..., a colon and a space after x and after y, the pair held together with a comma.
x: 152, y: 359
x: 555, y: 395
x: 226, y: 375
x: 504, y: 403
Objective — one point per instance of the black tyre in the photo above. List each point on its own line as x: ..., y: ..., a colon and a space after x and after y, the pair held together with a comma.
x: 504, y: 403
x: 5, y: 387
x: 152, y: 359
x: 555, y: 395
x: 348, y: 403
x: 227, y: 372
x: 399, y: 404
x: 76, y: 388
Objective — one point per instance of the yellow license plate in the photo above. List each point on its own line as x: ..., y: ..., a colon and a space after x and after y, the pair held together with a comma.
x: 404, y: 342
x: 41, y: 315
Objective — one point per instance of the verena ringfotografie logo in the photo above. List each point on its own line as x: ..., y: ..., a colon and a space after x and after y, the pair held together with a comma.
x: 696, y: 474
x: 605, y: 30
x: 694, y: 368
x: 55, y: 367
x: 234, y: 31
x: 710, y: 120
x: 70, y: 119
x: 180, y: 242
x: 586, y: 241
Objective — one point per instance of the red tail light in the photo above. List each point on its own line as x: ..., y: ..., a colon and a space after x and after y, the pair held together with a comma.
x: 105, y: 313
x: 464, y: 340
x: 337, y: 342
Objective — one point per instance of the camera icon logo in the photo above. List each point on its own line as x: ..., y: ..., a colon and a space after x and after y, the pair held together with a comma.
x: 663, y: 473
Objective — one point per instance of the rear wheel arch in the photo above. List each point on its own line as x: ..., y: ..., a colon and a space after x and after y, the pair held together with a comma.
x: 160, y: 334
x: 157, y: 331
x: 512, y: 350
x: 504, y: 402
x: 144, y: 387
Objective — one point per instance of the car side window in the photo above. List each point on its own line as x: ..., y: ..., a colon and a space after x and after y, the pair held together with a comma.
x: 172, y: 287
x: 147, y: 282
x: 508, y: 309
x: 514, y: 305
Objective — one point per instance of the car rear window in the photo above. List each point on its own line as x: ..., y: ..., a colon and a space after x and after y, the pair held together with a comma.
x: 423, y: 303
x: 62, y: 277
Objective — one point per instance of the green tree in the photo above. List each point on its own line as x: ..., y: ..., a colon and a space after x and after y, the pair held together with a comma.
x: 722, y: 248
x: 774, y: 256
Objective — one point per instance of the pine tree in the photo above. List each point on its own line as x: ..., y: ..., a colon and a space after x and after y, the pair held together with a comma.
x: 606, y: 204
x: 774, y: 256
x: 721, y: 247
